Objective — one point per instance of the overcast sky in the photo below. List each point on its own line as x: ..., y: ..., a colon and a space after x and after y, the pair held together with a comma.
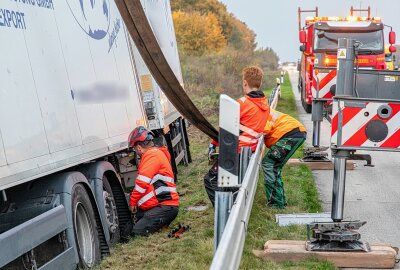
x: 275, y: 21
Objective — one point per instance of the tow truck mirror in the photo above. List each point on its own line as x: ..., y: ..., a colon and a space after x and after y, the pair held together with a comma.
x: 392, y: 37
x: 392, y: 49
x: 302, y: 48
x: 302, y: 36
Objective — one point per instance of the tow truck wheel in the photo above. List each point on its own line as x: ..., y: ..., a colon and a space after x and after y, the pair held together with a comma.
x: 306, y: 106
x: 299, y: 85
x: 85, y: 228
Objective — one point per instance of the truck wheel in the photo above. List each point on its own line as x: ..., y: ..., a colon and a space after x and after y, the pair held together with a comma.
x: 111, y: 212
x: 299, y: 85
x: 85, y: 228
x: 306, y: 106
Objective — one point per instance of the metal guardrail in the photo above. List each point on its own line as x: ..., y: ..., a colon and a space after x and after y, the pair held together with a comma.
x: 230, y: 248
x: 273, y: 98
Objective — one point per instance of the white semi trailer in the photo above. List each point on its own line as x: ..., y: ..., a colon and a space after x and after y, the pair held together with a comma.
x: 70, y: 93
x: 163, y: 118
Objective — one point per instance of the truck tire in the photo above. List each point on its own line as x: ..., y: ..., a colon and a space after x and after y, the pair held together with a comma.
x: 111, y: 212
x: 300, y: 85
x: 306, y: 106
x: 85, y: 228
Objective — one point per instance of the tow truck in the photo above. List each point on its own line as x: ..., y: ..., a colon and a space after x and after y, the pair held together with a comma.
x: 319, y: 37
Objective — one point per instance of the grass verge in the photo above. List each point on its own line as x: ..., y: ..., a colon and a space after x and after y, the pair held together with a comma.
x: 194, y: 250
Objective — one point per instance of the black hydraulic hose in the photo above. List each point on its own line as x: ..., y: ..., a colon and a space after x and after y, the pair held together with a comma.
x: 140, y: 30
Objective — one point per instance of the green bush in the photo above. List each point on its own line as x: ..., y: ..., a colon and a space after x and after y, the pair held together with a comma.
x: 221, y: 72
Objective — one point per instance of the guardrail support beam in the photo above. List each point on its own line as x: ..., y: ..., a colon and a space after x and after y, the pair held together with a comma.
x: 223, y: 204
x: 230, y: 248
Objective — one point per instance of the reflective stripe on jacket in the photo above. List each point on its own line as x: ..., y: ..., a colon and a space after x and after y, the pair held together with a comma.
x: 254, y: 112
x: 278, y: 125
x: 155, y: 184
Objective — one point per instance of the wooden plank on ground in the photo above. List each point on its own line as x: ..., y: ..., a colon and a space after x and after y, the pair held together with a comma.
x: 381, y: 255
x: 319, y: 165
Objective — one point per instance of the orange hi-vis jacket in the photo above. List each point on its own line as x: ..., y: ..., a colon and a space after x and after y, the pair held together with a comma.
x: 278, y: 125
x: 254, y: 112
x: 155, y: 184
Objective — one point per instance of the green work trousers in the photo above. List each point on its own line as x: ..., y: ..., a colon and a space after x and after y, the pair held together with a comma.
x: 272, y: 164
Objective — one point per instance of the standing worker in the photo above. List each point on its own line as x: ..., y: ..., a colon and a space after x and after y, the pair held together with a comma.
x: 254, y: 112
x: 154, y: 199
x: 283, y: 136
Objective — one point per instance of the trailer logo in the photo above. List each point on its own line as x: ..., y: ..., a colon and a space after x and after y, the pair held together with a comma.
x: 93, y: 16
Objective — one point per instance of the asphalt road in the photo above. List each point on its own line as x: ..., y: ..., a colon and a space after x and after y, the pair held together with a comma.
x: 372, y: 193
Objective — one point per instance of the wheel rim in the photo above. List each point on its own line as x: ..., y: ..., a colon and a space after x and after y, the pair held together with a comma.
x: 84, y: 234
x: 111, y: 212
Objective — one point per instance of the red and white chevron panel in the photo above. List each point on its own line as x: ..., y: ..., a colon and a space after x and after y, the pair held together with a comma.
x: 326, y: 80
x: 365, y: 124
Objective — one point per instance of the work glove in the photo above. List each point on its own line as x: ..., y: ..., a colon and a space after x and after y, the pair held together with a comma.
x: 211, y: 151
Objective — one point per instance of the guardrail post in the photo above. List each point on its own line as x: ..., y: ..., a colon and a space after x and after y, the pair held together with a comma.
x: 230, y: 247
x: 276, y: 92
x: 223, y: 205
x: 228, y: 163
x: 245, y: 155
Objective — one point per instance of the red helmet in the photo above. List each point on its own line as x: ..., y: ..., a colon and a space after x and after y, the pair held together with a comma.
x: 140, y: 134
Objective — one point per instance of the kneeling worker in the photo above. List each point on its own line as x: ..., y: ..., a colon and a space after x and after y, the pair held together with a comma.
x: 283, y: 136
x: 154, y: 199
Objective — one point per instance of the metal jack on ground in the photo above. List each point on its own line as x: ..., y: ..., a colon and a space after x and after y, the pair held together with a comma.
x: 316, y: 153
x: 336, y: 236
x: 339, y: 235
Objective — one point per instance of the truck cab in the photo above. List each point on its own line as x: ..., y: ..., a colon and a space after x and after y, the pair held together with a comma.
x: 369, y: 36
x: 319, y: 37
